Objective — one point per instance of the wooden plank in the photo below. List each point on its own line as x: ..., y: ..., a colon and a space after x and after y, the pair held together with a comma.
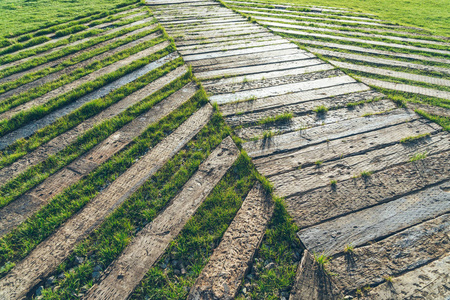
x: 129, y: 269
x: 313, y: 119
x: 380, y: 61
x: 372, y: 51
x: 406, y: 88
x: 240, y: 52
x: 295, y: 140
x: 340, y: 148
x: 50, y: 253
x: 352, y: 195
x: 227, y: 47
x: 260, y: 69
x: 30, y: 128
x: 223, y: 275
x: 312, y: 282
x: 428, y: 282
x: 397, y: 254
x: 23, y: 207
x: 352, y: 166
x: 386, y: 72
x: 281, y: 89
x: 244, y: 82
x: 376, y: 222
x: 63, y: 140
x: 310, y: 98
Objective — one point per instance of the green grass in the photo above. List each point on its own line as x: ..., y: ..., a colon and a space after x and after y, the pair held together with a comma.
x: 107, y: 242
x: 418, y: 156
x: 281, y: 118
x: 320, y: 109
x: 34, y: 175
x: 432, y: 15
x: 25, y: 15
x: 17, y: 244
x: 441, y: 120
x: 411, y: 139
x: 281, y: 247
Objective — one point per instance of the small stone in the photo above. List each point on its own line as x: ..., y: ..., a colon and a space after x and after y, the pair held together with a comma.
x: 97, y: 268
x: 96, y: 275
x: 270, y: 266
x: 39, y: 291
x: 244, y: 290
x: 283, y: 298
x: 50, y: 281
x: 183, y: 271
x: 174, y: 262
x: 176, y: 272
x: 348, y: 297
x: 84, y: 289
x: 61, y: 276
x: 163, y: 265
x: 79, y: 260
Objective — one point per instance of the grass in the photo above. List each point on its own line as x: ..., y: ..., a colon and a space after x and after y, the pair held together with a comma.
x: 318, y: 163
x: 322, y: 260
x: 322, y: 109
x: 411, y: 139
x: 107, y: 242
x: 281, y: 118
x: 365, y: 174
x: 441, y: 120
x: 36, y: 174
x: 29, y: 234
x: 349, y: 249
x: 333, y: 182
x: 268, y: 134
x: 418, y: 156
x: 431, y: 15
x: 20, y: 16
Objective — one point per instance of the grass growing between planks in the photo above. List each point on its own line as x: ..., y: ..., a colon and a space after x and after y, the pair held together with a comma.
x: 34, y: 175
x: 106, y: 243
x: 431, y: 15
x: 275, y: 264
x: 22, y: 16
x: 36, y: 92
x: 177, y: 270
x: 37, y: 112
x: 441, y: 120
x: 33, y: 62
x: 17, y: 244
x: 32, y: 76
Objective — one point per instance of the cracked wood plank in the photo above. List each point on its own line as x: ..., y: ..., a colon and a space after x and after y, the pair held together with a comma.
x: 392, y: 256
x: 223, y: 275
x: 376, y: 222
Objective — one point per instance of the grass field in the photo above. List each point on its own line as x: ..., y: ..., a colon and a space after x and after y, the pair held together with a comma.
x: 433, y: 15
x: 19, y: 15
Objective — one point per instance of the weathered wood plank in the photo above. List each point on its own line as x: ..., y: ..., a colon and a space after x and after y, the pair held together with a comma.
x: 428, y: 282
x: 340, y: 148
x: 281, y: 89
x: 312, y: 281
x: 308, y: 100
x: 348, y: 167
x: 23, y: 207
x: 222, y: 276
x: 351, y: 195
x: 294, y: 140
x: 406, y: 88
x: 376, y: 222
x: 260, y: 69
x: 372, y: 51
x: 402, y: 252
x: 386, y: 72
x: 51, y: 252
x: 127, y: 271
x: 380, y: 61
x: 313, y: 119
